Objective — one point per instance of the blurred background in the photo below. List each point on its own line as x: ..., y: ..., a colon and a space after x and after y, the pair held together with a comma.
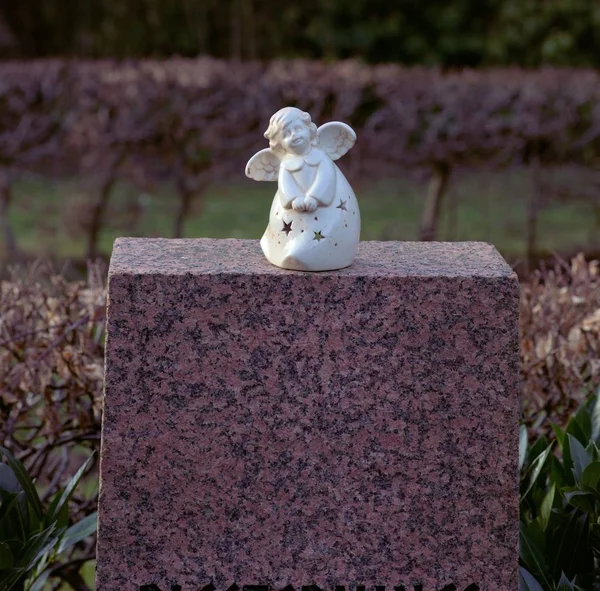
x: 476, y: 119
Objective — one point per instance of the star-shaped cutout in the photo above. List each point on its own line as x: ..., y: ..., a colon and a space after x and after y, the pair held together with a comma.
x: 318, y: 236
x: 342, y: 205
x: 287, y: 228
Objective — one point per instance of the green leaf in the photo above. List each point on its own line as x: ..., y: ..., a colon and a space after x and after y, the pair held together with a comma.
x: 580, y: 457
x: 559, y: 434
x: 24, y: 480
x: 564, y: 584
x: 574, y: 428
x: 537, y: 448
x: 584, y: 421
x: 14, y: 516
x: 37, y: 548
x: 66, y: 494
x: 78, y: 532
x: 534, y: 470
x: 595, y: 416
x: 532, y: 550
x: 527, y: 581
x: 579, y: 498
x: 523, y: 444
x: 546, y: 507
x: 590, y: 477
x: 7, y: 559
x: 8, y: 516
x: 40, y: 582
x: 593, y: 450
x: 62, y: 517
x: 9, y: 578
x: 569, y: 549
x: 8, y: 481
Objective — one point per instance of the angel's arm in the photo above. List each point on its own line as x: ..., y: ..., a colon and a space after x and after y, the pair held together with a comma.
x: 288, y: 188
x: 323, y: 187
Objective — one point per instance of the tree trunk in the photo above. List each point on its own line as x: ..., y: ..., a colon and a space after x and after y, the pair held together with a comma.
x: 235, y: 39
x: 10, y: 243
x: 186, y: 198
x: 533, y: 209
x: 435, y: 192
x: 250, y: 23
x: 100, y: 207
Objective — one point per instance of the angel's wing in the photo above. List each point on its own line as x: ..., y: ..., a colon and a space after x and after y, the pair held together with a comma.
x: 336, y: 138
x: 263, y: 166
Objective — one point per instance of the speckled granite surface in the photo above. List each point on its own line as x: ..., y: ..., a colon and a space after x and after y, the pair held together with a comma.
x: 270, y: 427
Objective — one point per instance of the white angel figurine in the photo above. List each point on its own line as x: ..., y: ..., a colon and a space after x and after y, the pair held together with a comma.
x: 314, y: 223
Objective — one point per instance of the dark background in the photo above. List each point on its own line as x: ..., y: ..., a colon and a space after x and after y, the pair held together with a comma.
x: 447, y: 33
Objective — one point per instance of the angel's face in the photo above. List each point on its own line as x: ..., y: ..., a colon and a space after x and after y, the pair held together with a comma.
x: 295, y: 137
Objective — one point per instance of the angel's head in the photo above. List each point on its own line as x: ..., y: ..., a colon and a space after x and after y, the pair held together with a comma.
x: 291, y: 131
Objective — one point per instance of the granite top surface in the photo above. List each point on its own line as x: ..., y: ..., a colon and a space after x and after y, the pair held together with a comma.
x: 167, y: 256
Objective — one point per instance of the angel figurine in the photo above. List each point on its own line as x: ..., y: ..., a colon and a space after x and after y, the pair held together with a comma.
x: 314, y: 223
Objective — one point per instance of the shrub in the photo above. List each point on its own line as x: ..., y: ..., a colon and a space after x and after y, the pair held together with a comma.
x: 560, y: 340
x: 51, y: 371
x: 560, y: 506
x: 32, y: 539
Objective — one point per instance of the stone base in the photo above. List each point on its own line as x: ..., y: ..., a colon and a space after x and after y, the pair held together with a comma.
x: 344, y: 428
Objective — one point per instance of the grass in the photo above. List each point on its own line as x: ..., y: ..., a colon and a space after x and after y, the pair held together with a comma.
x: 47, y: 214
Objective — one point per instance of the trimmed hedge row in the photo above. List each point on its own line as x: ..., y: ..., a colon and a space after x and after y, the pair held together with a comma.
x: 407, y: 116
x: 198, y: 120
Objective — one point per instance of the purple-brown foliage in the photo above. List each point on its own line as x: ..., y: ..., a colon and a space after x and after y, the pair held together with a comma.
x: 560, y: 340
x: 407, y: 116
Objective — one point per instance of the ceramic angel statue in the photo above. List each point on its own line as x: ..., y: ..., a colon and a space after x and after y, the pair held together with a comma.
x: 314, y: 223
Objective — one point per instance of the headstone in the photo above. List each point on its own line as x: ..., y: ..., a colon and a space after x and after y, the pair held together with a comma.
x: 272, y: 429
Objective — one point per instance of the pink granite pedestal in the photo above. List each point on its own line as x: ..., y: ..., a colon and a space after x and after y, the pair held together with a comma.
x: 277, y: 428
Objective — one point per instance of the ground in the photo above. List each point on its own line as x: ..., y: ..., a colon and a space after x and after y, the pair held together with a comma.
x: 47, y: 214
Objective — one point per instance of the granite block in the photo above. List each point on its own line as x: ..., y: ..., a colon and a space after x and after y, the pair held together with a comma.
x: 345, y: 428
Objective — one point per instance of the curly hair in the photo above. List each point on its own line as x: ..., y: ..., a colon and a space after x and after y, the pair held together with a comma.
x: 281, y: 119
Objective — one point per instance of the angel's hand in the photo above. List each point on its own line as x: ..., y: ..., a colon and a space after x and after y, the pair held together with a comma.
x: 298, y: 203
x: 310, y: 203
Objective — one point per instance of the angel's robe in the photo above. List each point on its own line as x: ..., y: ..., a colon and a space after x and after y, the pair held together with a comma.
x: 319, y: 240
x: 311, y: 175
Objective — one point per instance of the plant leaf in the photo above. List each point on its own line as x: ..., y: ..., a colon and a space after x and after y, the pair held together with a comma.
x: 40, y: 582
x: 546, y: 507
x: 590, y: 477
x: 8, y: 481
x: 523, y: 444
x: 7, y: 559
x: 14, y: 516
x: 534, y: 470
x: 527, y: 581
x: 595, y: 416
x: 574, y: 429
x: 579, y: 498
x: 37, y: 547
x: 581, y: 458
x: 24, y: 480
x: 564, y: 584
x: 532, y: 551
x: 559, y: 434
x: 10, y: 577
x: 569, y: 549
x: 584, y: 421
x: 66, y: 494
x: 79, y: 531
